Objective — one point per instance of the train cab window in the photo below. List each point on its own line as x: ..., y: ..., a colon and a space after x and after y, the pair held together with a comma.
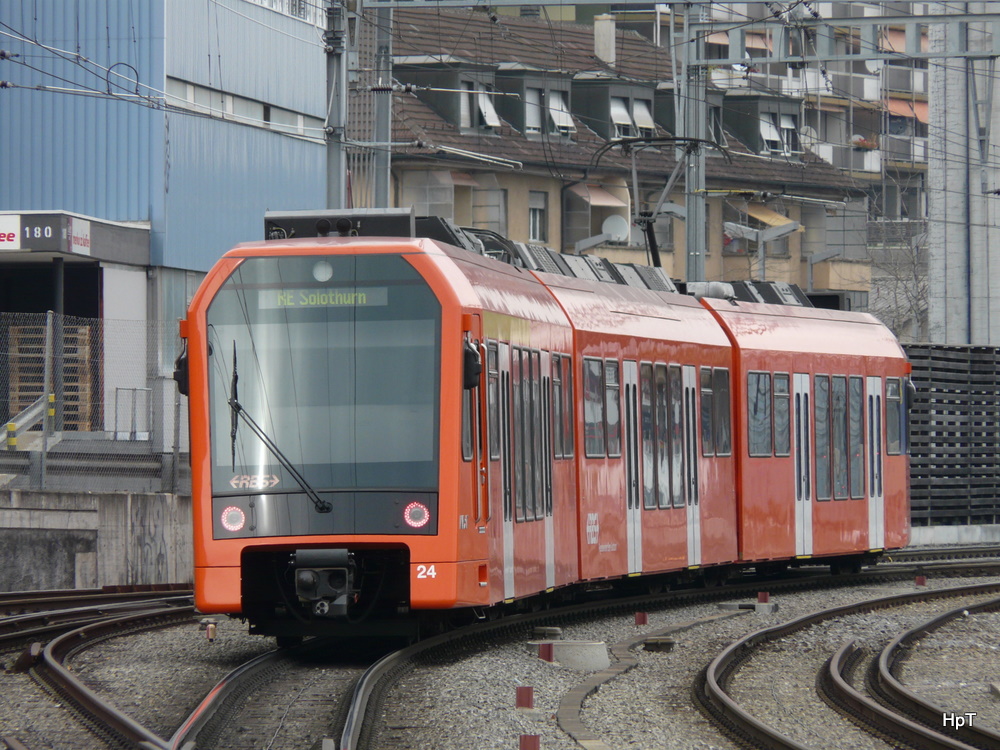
x: 839, y: 437
x: 821, y: 417
x: 895, y: 417
x: 493, y: 400
x: 782, y: 416
x: 593, y: 408
x: 856, y: 434
x: 759, y: 413
x: 468, y: 410
x: 612, y: 402
x: 723, y: 409
x: 707, y: 419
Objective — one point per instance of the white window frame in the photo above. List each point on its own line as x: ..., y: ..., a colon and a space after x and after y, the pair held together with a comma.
x: 538, y: 216
x: 532, y: 110
x: 620, y: 117
x: 642, y: 113
x: 562, y: 120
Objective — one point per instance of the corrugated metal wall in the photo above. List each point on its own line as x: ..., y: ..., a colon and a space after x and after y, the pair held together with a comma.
x: 75, y: 147
x: 253, y: 170
x: 248, y: 50
x: 202, y: 183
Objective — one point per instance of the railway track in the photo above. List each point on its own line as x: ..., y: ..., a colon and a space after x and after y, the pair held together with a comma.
x: 898, y: 723
x: 361, y: 694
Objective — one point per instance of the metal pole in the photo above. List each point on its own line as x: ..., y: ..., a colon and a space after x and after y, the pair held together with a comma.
x: 336, y: 89
x: 694, y: 87
x: 383, y: 105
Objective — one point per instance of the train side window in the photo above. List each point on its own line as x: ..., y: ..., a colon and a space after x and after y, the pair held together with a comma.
x: 537, y: 438
x: 759, y: 413
x: 723, y: 410
x: 707, y: 413
x: 493, y: 400
x: 546, y: 451
x: 593, y: 407
x: 612, y: 403
x: 661, y: 399
x: 821, y: 407
x: 856, y: 431
x: 518, y: 410
x: 568, y: 410
x: 557, y: 407
x: 649, y: 435
x: 675, y: 387
x: 894, y: 417
x: 468, y: 409
x: 782, y: 416
x: 838, y: 423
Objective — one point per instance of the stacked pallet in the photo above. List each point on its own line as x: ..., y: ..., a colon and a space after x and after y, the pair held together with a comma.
x: 27, y: 372
x: 955, y: 457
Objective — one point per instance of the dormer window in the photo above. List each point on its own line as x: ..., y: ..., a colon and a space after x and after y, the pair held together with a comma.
x: 532, y: 110
x: 780, y: 134
x: 476, y: 109
x: 621, y: 119
x: 643, y: 115
x: 562, y: 121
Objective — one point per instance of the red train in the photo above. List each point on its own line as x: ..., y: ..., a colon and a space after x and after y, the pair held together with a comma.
x: 384, y: 427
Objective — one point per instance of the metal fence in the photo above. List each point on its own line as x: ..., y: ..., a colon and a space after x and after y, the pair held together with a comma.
x: 90, y: 405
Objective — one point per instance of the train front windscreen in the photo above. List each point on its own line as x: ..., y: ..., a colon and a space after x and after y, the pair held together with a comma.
x: 324, y: 395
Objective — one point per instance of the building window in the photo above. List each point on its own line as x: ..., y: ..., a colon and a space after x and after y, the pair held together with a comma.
x: 715, y: 129
x: 643, y: 115
x: 769, y: 135
x: 790, y: 134
x: 532, y: 110
x: 562, y: 121
x: 620, y: 118
x: 538, y: 216
x: 475, y: 108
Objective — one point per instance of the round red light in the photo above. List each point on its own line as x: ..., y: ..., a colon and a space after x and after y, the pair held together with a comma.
x: 233, y: 518
x: 416, y: 515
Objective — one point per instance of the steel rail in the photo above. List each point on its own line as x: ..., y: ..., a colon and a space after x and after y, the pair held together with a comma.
x: 72, y: 687
x: 873, y: 713
x: 925, y: 711
x: 711, y: 688
x: 230, y: 687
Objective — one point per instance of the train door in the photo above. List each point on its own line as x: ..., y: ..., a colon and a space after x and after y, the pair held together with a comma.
x: 545, y: 469
x: 633, y: 501
x: 803, y: 465
x: 503, y: 368
x: 691, y: 489
x: 876, y: 497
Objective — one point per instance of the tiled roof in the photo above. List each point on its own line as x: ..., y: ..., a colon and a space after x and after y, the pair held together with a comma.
x: 535, y: 43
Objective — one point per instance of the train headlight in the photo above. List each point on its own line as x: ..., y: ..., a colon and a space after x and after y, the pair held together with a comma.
x: 322, y: 271
x: 416, y: 515
x: 233, y: 518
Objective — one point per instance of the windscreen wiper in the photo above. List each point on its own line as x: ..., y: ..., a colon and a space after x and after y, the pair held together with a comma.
x: 238, y: 412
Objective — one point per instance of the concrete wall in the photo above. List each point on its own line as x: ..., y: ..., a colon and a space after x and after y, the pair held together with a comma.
x: 84, y: 540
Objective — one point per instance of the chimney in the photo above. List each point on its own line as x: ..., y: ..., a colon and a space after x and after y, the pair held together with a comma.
x: 605, y: 38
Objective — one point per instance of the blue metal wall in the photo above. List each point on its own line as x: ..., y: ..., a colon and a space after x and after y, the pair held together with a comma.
x: 79, y: 149
x: 202, y: 183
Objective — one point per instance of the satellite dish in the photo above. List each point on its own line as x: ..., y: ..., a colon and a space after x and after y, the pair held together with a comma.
x: 808, y: 137
x: 616, y: 227
x: 874, y: 66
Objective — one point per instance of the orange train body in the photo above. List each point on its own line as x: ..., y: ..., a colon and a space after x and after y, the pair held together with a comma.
x: 382, y: 427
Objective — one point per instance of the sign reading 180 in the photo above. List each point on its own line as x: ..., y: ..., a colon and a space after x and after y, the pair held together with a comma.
x: 30, y: 232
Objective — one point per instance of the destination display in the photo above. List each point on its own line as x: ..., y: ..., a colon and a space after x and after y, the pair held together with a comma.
x: 274, y: 299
